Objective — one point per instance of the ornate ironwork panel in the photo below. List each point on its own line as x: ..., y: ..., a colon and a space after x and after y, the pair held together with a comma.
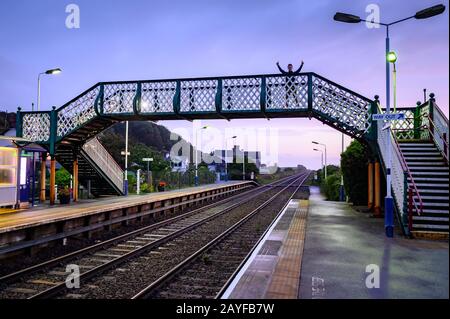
x: 36, y: 127
x: 119, y: 98
x: 76, y: 113
x: 241, y: 94
x: 287, y: 92
x: 157, y: 97
x: 340, y: 105
x: 404, y: 129
x: 198, y: 95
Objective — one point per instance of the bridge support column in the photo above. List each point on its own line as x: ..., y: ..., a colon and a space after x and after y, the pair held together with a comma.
x: 370, y: 185
x: 75, y: 179
x: 377, y: 200
x: 43, y: 177
x: 52, y: 180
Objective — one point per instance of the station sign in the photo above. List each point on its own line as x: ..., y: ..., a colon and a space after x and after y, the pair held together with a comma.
x: 388, y: 117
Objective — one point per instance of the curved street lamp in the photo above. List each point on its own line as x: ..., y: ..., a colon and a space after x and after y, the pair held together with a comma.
x: 196, y: 153
x: 48, y: 72
x: 226, y: 157
x: 325, y: 147
x: 420, y: 15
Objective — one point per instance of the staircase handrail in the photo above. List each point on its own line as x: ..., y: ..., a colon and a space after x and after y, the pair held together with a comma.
x: 406, y: 170
x: 101, y: 157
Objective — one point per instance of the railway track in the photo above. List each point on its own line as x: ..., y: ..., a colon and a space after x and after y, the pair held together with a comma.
x: 48, y: 279
x: 206, y: 272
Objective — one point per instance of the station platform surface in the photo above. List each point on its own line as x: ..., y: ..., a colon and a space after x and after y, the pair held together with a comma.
x: 44, y: 214
x: 273, y: 270
x: 341, y: 242
x: 321, y: 250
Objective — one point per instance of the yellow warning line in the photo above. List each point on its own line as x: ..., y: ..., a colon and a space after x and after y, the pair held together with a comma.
x: 285, y: 280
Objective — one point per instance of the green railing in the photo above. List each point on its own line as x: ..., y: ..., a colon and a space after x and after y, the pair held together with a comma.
x: 263, y: 96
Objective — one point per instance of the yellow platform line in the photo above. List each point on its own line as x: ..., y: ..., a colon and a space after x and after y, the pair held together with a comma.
x: 285, y: 279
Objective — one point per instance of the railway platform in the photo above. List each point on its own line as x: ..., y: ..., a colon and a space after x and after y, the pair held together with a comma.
x: 326, y: 250
x: 25, y: 228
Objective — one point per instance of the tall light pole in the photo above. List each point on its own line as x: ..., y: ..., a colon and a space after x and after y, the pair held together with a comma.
x: 321, y: 154
x: 126, y: 153
x: 420, y: 15
x: 226, y: 157
x: 48, y: 72
x: 392, y: 58
x: 196, y: 153
x: 326, y: 163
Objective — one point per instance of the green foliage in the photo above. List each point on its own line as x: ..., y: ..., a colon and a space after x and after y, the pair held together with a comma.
x: 235, y: 170
x: 354, y: 167
x: 145, y: 188
x: 62, y: 178
x: 330, y: 186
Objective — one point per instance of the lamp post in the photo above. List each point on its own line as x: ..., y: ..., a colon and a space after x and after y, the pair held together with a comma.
x: 326, y: 164
x: 392, y: 58
x: 196, y: 153
x: 226, y: 157
x: 126, y: 154
x: 420, y: 15
x: 149, y: 176
x: 48, y: 72
x: 321, y: 154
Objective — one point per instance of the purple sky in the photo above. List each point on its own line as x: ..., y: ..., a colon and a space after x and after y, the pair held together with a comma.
x: 128, y: 40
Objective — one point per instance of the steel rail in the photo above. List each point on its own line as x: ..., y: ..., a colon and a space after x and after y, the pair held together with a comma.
x: 110, y: 242
x: 52, y: 291
x: 174, y: 271
x: 244, y: 261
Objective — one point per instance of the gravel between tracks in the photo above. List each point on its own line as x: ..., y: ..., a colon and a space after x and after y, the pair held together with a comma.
x: 135, y: 274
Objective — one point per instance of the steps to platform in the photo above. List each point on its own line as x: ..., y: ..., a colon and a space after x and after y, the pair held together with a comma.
x: 430, y: 173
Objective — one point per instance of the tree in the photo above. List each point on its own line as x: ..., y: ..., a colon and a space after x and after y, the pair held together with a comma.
x: 354, y: 167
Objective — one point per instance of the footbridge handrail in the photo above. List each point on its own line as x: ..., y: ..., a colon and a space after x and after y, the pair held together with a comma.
x: 106, y: 163
x: 400, y: 171
x: 229, y: 97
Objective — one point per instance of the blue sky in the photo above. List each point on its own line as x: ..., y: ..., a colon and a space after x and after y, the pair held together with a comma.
x: 126, y: 40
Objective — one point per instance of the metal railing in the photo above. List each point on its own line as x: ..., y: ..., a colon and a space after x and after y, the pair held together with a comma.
x: 105, y: 162
x: 269, y: 95
x: 400, y: 171
x: 438, y: 128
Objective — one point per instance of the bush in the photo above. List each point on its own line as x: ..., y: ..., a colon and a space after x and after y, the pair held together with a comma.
x: 62, y: 178
x: 330, y: 187
x: 354, y: 167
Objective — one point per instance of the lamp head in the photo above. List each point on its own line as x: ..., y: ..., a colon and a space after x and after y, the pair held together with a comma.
x: 346, y: 18
x: 392, y: 57
x: 53, y: 71
x: 430, y: 12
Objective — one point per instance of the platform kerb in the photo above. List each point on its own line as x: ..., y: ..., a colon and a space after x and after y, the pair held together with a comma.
x: 273, y: 270
x: 32, y: 227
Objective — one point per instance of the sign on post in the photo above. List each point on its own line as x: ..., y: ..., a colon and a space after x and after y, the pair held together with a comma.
x: 388, y: 117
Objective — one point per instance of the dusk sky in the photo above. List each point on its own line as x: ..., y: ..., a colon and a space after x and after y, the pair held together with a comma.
x: 137, y: 40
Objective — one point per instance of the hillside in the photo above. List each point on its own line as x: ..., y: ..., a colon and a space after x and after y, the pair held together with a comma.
x: 145, y: 139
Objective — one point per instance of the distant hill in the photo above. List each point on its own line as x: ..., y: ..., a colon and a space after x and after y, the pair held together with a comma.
x: 154, y: 136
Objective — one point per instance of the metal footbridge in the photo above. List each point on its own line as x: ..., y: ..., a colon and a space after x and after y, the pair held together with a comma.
x: 68, y: 132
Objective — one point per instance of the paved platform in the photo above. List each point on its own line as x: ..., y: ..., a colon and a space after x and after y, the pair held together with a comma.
x: 24, y: 218
x: 273, y: 270
x: 322, y: 251
x: 341, y: 242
